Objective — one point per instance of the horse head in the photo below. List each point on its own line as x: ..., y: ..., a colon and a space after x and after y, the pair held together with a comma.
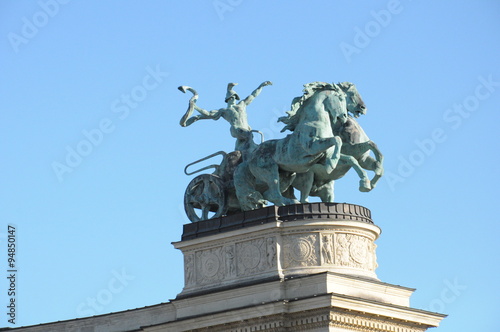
x: 335, y: 104
x: 355, y: 104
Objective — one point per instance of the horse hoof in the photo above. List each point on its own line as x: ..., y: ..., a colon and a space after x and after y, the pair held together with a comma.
x: 364, y: 186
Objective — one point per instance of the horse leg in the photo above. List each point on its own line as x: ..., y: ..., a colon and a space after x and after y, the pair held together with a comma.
x: 330, y: 146
x: 374, y: 148
x: 289, y: 193
x: 364, y: 182
x: 286, y: 179
x: 371, y: 164
x: 303, y: 182
x: 326, y: 192
x: 304, y: 194
x: 376, y: 165
x: 333, y: 155
x: 379, y: 168
x: 267, y: 171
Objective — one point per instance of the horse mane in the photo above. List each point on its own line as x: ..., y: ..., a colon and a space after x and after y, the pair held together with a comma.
x: 293, y: 116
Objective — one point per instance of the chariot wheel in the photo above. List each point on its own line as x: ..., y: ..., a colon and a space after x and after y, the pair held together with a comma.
x: 205, y: 198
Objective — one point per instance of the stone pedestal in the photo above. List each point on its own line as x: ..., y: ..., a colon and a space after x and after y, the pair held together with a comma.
x: 308, y: 267
x: 278, y: 242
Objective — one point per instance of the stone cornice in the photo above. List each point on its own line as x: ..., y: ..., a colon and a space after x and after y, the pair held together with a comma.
x: 301, y: 315
x: 329, y: 211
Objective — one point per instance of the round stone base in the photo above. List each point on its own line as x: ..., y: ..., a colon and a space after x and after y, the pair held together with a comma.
x: 279, y: 242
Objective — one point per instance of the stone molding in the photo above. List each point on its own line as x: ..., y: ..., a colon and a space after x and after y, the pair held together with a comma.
x: 284, y: 316
x: 331, y: 211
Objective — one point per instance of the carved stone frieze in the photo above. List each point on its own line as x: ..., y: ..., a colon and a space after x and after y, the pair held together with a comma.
x: 300, y: 250
x: 322, y: 248
x: 356, y: 251
x: 271, y: 251
x: 229, y: 262
x: 209, y: 265
x: 327, y: 249
x: 251, y: 256
x: 189, y: 267
x: 266, y: 248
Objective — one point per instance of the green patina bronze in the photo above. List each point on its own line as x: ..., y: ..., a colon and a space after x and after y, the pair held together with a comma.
x: 235, y: 113
x: 324, y: 143
x: 354, y: 153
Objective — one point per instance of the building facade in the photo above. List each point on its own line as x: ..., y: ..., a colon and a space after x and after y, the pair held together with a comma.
x: 308, y: 267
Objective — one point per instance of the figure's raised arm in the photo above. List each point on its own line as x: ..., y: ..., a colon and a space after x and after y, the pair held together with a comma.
x: 256, y: 92
x: 188, y: 118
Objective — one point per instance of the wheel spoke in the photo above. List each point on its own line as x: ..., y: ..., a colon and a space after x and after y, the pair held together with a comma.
x: 205, y: 194
x: 204, y: 212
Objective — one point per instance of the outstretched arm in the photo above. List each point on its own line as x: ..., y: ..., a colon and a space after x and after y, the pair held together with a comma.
x: 255, y: 93
x: 204, y: 114
x: 187, y: 119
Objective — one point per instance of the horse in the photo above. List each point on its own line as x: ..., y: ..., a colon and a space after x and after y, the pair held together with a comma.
x: 354, y: 153
x: 273, y: 165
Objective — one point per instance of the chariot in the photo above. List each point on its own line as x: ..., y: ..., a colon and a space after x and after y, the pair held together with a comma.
x: 213, y: 195
x: 323, y: 145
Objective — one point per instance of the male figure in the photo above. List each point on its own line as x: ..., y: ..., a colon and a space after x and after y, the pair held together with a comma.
x: 235, y: 113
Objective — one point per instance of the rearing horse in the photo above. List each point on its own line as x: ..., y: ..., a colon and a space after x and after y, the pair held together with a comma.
x: 356, y: 147
x: 272, y: 167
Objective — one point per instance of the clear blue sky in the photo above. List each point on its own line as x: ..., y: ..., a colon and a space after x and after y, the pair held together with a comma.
x: 101, y: 77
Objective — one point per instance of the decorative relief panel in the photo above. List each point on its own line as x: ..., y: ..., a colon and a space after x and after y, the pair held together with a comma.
x: 323, y: 248
x: 271, y: 252
x: 327, y: 249
x: 300, y: 250
x: 209, y: 265
x: 355, y: 251
x: 251, y: 257
x: 229, y: 262
x: 189, y: 269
